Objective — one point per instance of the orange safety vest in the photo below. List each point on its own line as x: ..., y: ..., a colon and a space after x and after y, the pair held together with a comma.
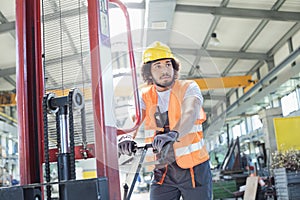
x: 190, y: 150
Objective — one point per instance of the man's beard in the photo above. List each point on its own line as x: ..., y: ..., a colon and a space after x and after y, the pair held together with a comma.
x: 164, y: 85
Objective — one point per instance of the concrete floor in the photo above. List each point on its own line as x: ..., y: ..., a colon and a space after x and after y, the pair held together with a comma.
x: 139, y: 196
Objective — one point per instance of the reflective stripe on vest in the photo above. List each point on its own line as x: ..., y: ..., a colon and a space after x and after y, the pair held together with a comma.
x: 196, y: 128
x: 189, y: 149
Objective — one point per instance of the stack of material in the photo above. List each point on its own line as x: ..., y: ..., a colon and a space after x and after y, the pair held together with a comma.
x: 287, y: 184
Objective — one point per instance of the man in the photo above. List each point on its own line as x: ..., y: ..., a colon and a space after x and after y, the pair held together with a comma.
x: 172, y: 113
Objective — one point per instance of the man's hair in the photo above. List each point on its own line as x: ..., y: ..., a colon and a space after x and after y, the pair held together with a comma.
x: 146, y: 70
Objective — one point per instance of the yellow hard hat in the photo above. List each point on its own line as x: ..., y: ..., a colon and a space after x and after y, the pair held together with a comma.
x: 156, y: 51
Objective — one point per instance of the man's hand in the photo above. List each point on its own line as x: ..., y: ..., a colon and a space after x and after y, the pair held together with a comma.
x: 126, y: 145
x: 161, y: 140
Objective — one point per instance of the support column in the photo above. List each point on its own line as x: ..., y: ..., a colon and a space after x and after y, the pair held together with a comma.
x: 268, y: 127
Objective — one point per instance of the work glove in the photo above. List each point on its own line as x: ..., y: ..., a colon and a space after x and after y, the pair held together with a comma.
x: 161, y: 140
x: 126, y: 145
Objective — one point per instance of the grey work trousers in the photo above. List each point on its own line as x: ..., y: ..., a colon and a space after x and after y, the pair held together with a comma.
x: 178, y: 183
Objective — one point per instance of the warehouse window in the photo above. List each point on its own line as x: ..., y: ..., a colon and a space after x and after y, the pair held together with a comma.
x: 243, y: 128
x: 118, y: 24
x: 256, y: 122
x: 289, y: 103
x: 10, y: 147
x: 249, y: 124
x: 298, y: 96
x: 276, y: 103
x: 236, y: 131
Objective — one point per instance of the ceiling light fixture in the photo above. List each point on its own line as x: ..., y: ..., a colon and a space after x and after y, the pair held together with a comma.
x: 214, y: 40
x: 159, y: 25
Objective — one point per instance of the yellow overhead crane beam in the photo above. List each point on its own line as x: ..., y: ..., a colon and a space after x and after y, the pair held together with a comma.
x: 87, y: 93
x: 9, y: 98
x: 224, y: 82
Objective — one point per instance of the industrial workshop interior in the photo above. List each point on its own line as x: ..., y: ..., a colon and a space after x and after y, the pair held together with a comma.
x: 71, y: 82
